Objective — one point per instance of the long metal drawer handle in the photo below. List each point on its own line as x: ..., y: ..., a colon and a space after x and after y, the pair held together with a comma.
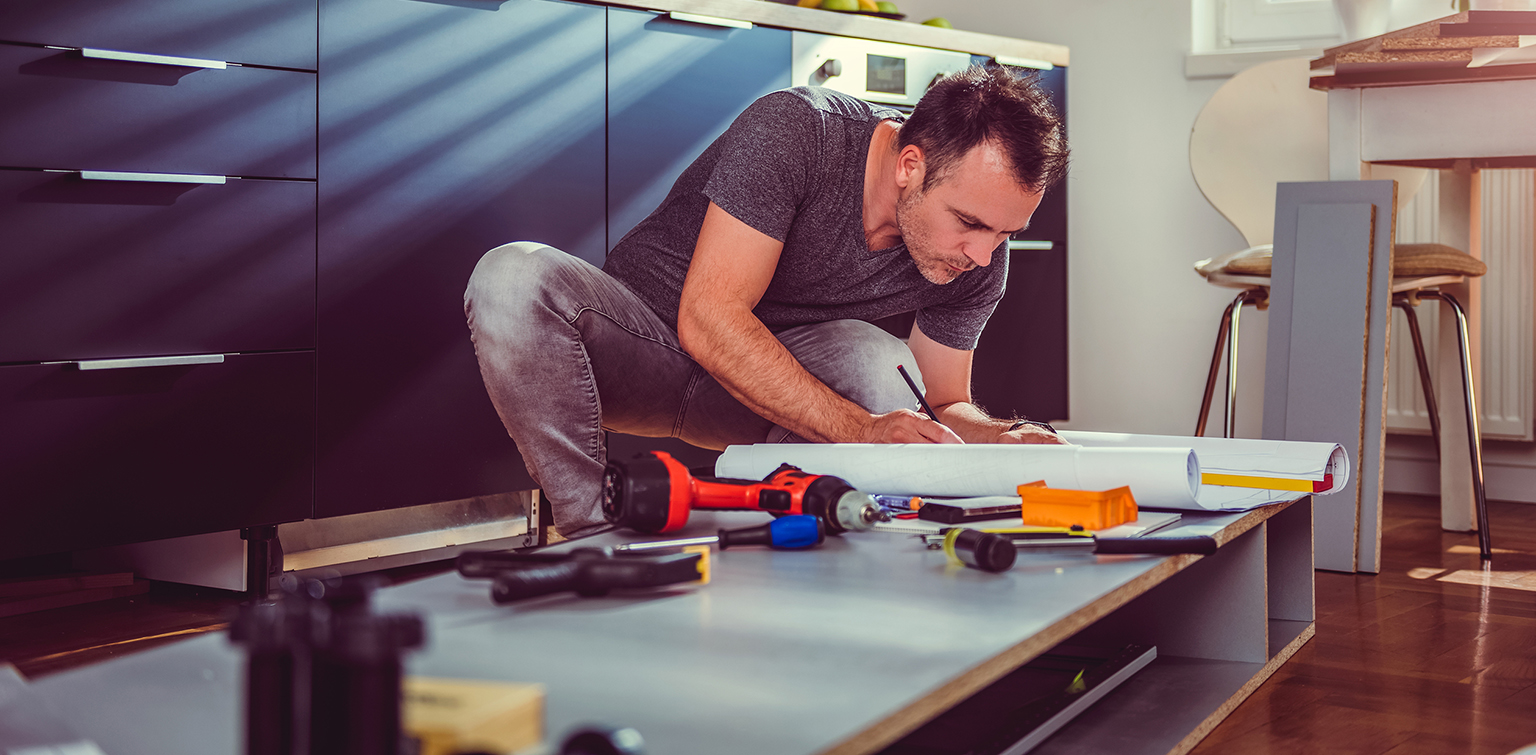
x: 123, y: 364
x: 162, y: 60
x: 159, y: 178
x: 694, y: 18
x: 1032, y: 246
x: 1009, y: 60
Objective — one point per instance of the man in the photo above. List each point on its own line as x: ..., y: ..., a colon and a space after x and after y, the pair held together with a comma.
x: 739, y: 311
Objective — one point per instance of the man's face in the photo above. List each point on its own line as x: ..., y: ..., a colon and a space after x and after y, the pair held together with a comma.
x: 956, y: 224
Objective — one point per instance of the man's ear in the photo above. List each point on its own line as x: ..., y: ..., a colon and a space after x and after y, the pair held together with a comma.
x: 910, y: 166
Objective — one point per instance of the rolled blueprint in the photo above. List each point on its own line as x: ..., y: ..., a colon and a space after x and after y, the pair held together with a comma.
x: 1322, y: 463
x: 1158, y: 477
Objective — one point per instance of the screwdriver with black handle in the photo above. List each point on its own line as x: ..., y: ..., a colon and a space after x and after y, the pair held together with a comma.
x: 794, y: 532
x: 589, y: 572
x: 1139, y: 546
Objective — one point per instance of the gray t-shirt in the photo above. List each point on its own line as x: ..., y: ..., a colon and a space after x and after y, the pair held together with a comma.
x: 792, y: 166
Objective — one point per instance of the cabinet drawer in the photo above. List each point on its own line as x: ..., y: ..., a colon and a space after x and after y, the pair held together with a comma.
x: 99, y: 457
x: 64, y: 110
x: 263, y: 32
x: 125, y: 268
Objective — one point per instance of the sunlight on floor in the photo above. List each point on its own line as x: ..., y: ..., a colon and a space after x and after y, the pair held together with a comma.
x: 1514, y: 580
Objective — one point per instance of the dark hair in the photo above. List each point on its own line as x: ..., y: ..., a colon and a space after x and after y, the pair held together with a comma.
x: 989, y: 103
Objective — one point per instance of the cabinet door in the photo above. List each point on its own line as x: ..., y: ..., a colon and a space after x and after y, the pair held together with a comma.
x: 446, y: 129
x: 262, y: 32
x: 101, y: 457
x: 1020, y: 365
x: 673, y: 87
x: 97, y: 269
x: 66, y: 111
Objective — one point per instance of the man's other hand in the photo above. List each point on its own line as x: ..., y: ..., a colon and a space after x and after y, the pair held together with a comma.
x: 906, y: 426
x: 1032, y: 434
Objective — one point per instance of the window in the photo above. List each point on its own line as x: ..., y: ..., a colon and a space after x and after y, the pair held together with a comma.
x: 1230, y: 35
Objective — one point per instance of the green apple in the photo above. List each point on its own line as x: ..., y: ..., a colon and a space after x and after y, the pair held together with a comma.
x: 941, y: 22
x: 887, y: 7
x: 843, y: 5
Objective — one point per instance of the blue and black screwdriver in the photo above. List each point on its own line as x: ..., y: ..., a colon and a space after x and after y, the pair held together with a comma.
x: 785, y: 533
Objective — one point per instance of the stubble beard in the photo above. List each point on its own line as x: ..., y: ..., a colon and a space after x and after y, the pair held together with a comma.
x: 920, y: 242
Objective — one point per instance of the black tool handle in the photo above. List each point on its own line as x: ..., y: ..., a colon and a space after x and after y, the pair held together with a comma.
x: 1159, y: 546
x: 532, y: 581
x: 487, y: 564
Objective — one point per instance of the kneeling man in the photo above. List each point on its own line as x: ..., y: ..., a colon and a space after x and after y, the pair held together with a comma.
x: 739, y: 311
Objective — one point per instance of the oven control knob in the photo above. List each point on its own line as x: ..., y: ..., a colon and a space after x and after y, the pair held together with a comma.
x: 833, y: 67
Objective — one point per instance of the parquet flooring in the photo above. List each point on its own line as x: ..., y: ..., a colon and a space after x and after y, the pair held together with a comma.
x: 1421, y: 658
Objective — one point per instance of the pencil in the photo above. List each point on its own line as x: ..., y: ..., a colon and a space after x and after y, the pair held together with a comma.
x: 919, y: 394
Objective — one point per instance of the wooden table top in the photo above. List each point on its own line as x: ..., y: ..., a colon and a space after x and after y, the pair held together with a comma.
x: 1468, y: 46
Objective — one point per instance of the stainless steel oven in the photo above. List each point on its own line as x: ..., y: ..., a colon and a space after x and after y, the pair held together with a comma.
x: 883, y: 72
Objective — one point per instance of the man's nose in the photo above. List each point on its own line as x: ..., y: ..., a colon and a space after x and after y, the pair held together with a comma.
x: 979, y: 253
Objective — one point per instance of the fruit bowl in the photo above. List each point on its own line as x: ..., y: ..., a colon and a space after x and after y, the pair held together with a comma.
x: 881, y: 14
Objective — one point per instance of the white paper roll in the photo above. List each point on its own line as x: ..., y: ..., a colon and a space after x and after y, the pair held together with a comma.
x: 1160, y: 477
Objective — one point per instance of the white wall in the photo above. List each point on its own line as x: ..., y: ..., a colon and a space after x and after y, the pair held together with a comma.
x: 1142, y: 323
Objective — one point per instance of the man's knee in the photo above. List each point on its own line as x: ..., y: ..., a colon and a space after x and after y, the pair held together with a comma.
x: 514, y: 273
x: 858, y: 361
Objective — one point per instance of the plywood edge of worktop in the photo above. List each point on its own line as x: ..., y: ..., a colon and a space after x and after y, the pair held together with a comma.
x: 897, y: 725
x: 1220, y: 714
x: 864, y: 27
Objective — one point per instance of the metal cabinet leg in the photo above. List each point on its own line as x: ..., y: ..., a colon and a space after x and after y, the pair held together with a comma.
x: 258, y: 559
x: 1484, y: 542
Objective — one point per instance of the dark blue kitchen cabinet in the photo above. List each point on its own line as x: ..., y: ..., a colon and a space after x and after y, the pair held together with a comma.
x: 446, y: 129
x: 113, y: 250
x: 1020, y: 365
x: 673, y: 87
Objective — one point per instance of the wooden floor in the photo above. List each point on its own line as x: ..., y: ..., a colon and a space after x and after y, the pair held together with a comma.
x: 1430, y: 656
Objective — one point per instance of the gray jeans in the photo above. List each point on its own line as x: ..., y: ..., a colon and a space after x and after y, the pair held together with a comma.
x: 568, y: 352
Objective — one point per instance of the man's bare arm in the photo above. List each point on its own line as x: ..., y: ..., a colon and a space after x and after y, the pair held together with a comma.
x: 947, y: 381
x: 732, y: 266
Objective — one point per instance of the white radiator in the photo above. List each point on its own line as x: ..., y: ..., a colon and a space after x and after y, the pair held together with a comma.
x: 1508, y: 388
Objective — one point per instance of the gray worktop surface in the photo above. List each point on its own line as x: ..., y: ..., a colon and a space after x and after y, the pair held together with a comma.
x: 784, y: 652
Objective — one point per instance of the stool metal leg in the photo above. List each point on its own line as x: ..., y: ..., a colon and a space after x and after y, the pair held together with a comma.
x: 1475, y: 442
x: 1226, y: 336
x: 1401, y: 301
x: 1210, y: 378
x: 1229, y: 428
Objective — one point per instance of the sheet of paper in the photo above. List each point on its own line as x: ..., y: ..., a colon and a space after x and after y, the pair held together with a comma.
x: 1159, y: 477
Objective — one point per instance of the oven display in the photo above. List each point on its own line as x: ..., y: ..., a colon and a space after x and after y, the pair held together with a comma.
x: 886, y: 75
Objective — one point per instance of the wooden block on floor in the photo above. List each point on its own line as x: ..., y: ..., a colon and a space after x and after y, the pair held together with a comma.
x: 34, y: 603
x: 27, y: 586
x: 450, y: 716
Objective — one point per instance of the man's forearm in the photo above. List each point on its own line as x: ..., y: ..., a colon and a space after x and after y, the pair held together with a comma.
x: 740, y: 352
x: 971, y: 423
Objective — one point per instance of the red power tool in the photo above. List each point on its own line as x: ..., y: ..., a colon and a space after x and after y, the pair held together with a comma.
x: 653, y: 493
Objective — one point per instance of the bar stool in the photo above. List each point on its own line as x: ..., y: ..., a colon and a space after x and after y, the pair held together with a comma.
x: 1417, y: 272
x: 1266, y: 126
